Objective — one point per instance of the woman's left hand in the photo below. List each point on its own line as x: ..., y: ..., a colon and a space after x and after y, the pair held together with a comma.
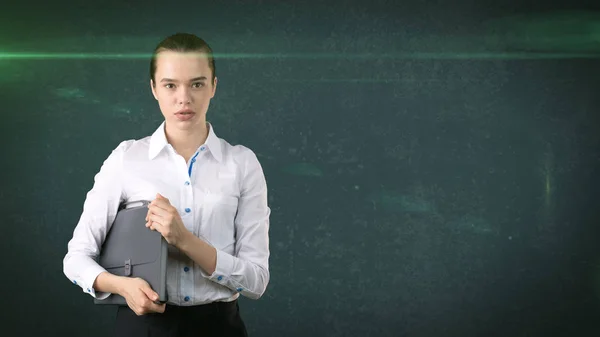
x: 165, y: 219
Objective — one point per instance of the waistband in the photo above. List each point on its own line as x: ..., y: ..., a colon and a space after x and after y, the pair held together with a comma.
x: 202, y: 309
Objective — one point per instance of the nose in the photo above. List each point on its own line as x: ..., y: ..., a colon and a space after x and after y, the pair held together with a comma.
x: 184, y: 96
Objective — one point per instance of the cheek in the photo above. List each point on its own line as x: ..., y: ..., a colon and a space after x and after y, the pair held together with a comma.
x: 165, y: 98
x: 202, y: 98
x: 165, y: 104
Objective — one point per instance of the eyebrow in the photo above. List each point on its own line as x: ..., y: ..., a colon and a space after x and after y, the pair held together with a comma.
x: 201, y: 78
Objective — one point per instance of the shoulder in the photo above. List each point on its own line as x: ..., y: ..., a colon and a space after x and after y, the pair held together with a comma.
x: 129, y: 149
x: 132, y: 146
x: 240, y: 154
x: 124, y: 146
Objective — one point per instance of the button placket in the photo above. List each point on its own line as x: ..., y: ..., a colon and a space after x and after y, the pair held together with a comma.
x: 187, y: 283
x: 188, y: 275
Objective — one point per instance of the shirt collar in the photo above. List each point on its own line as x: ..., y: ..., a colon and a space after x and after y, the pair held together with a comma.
x: 213, y: 143
x: 158, y: 141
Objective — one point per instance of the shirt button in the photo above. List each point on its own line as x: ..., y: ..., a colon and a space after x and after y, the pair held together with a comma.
x: 186, y: 269
x: 187, y: 210
x: 89, y: 290
x: 202, y: 148
x: 193, y: 160
x: 220, y: 278
x: 239, y: 289
x: 187, y: 183
x: 187, y: 298
x: 74, y: 282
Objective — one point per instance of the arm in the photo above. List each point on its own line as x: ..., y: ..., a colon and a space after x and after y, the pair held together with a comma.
x: 247, y: 271
x: 99, y: 211
x: 109, y: 283
x: 201, y: 252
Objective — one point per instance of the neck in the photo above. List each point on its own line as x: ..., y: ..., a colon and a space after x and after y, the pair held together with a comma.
x: 186, y: 142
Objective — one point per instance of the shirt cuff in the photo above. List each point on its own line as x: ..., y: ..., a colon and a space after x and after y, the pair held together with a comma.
x: 88, y: 277
x: 223, y: 269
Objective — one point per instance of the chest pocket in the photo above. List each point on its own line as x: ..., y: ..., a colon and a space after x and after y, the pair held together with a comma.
x: 218, y: 217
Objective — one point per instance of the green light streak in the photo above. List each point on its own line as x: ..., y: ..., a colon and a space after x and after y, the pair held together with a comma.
x: 335, y: 56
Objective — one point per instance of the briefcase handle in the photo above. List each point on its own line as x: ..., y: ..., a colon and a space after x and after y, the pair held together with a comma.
x: 143, y: 203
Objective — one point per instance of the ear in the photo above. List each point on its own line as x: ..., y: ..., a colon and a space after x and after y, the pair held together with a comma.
x: 153, y: 88
x: 214, y: 88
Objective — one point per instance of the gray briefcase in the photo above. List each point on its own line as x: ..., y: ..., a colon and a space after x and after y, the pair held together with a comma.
x: 133, y: 250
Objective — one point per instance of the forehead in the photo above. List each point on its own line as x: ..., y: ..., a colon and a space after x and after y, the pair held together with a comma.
x: 170, y: 62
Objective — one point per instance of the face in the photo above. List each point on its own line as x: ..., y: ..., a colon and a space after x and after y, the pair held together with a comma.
x: 183, y: 89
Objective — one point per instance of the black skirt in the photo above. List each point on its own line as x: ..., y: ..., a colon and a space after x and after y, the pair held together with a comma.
x: 214, y: 319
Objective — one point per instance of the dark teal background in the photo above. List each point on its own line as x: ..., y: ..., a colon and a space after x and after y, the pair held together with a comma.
x: 408, y: 194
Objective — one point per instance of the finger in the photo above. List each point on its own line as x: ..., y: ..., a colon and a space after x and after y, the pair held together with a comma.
x: 161, y: 197
x: 165, y: 218
x: 157, y: 221
x: 155, y: 226
x: 160, y: 308
x: 152, y: 295
x: 150, y: 304
x: 161, y: 204
x: 149, y: 224
x: 158, y: 210
x: 153, y: 222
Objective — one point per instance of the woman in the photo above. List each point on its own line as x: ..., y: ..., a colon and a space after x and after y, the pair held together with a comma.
x: 209, y: 201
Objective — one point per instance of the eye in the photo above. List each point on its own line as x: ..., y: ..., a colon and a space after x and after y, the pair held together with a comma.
x: 198, y: 84
x: 168, y: 85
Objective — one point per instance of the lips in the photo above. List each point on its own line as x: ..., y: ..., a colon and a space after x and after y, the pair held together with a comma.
x: 184, y: 115
x: 185, y: 112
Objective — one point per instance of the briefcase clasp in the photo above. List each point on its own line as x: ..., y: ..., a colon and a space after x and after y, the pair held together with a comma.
x: 128, y: 267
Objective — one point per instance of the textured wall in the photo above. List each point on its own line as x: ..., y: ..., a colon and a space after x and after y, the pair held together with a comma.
x: 429, y: 173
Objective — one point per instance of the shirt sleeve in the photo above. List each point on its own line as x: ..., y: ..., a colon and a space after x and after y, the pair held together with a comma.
x: 99, y: 211
x: 248, y: 271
